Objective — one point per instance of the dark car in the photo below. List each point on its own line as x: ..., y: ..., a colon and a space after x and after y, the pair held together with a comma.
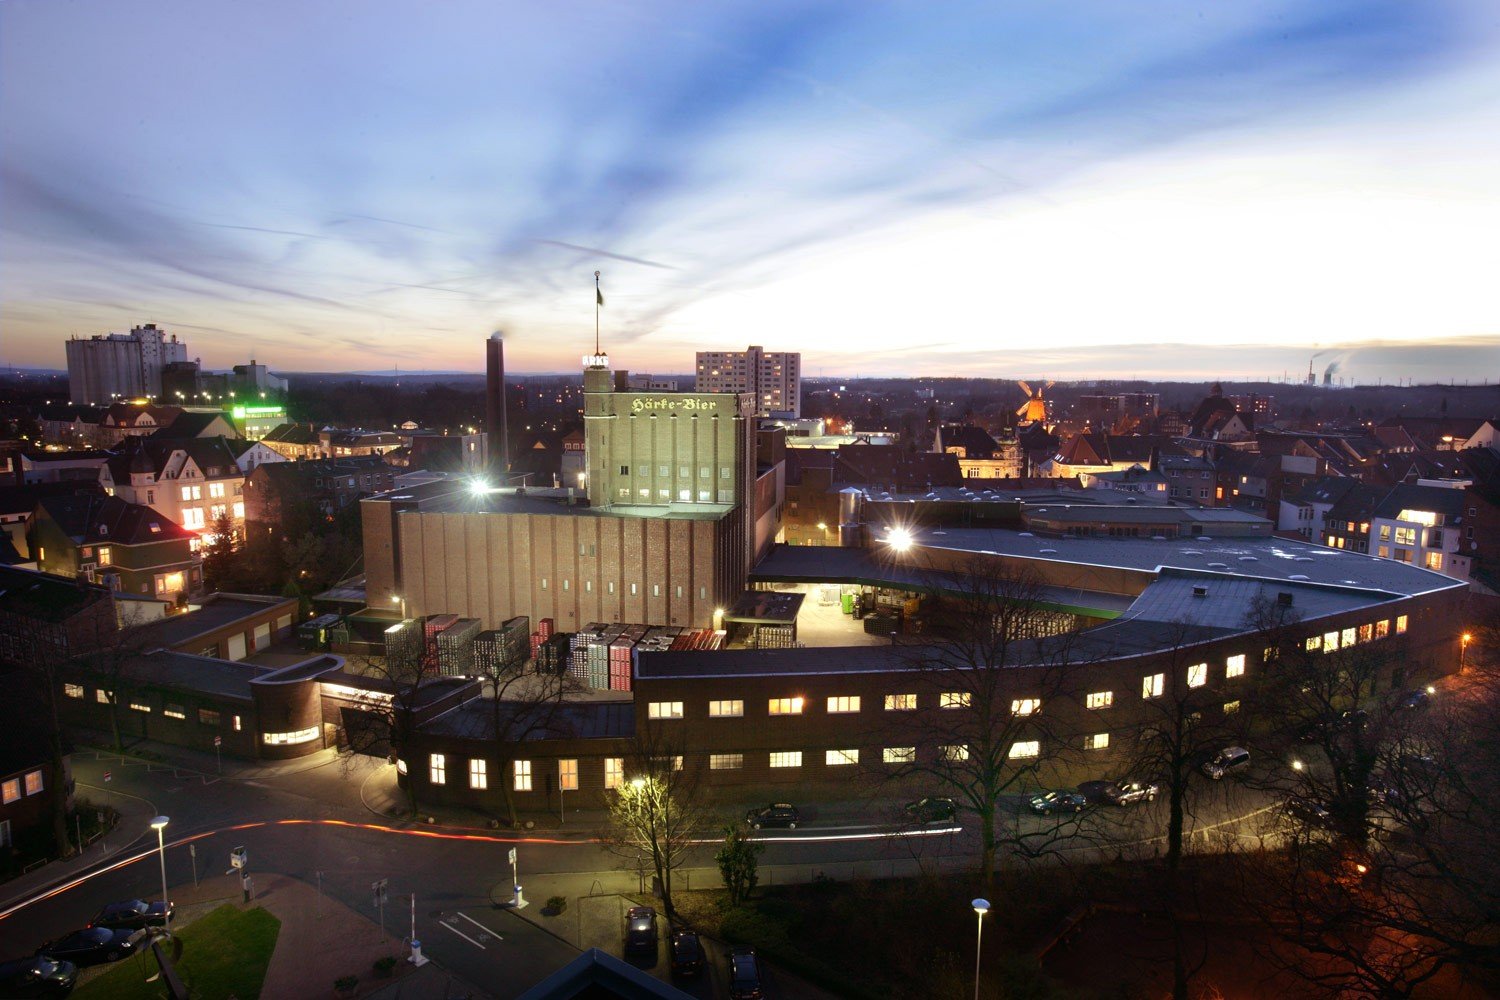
x: 744, y: 975
x: 134, y: 913
x: 1225, y: 762
x: 1383, y: 792
x: 640, y: 930
x: 94, y: 945
x: 687, y: 953
x: 37, y: 977
x: 932, y: 810
x: 1120, y: 793
x: 1058, y: 802
x: 1356, y: 718
x: 775, y: 814
x: 1307, y: 811
x: 1411, y: 701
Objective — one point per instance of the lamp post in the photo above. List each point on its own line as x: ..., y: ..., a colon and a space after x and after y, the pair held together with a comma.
x: 1463, y: 651
x: 159, y: 824
x: 981, y: 907
x: 398, y: 599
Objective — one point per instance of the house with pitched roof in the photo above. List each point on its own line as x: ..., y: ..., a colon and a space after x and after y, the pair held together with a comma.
x: 126, y: 546
x: 192, y: 481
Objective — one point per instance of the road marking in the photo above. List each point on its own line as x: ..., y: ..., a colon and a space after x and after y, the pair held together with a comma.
x: 462, y: 934
x: 482, y: 927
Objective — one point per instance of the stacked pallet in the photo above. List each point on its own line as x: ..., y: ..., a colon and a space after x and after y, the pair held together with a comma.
x: 660, y: 638
x: 775, y: 637
x: 884, y: 622
x: 489, y: 655
x: 698, y: 639
x: 455, y: 648
x: 430, y: 629
x: 554, y: 653
x: 545, y: 630
x: 403, y: 645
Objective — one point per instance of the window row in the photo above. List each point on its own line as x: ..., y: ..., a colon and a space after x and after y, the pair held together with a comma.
x: 12, y: 789
x: 206, y: 716
x: 1332, y: 642
x: 609, y: 588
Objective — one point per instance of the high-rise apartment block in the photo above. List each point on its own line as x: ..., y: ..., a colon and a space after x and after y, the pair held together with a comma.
x: 113, y: 366
x: 774, y: 378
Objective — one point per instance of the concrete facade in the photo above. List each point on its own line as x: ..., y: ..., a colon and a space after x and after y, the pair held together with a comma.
x: 113, y: 366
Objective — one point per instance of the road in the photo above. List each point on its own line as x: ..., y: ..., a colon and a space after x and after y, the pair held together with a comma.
x: 311, y: 826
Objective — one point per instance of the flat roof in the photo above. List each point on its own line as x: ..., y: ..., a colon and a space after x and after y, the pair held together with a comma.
x: 461, y: 499
x: 475, y: 719
x: 765, y: 606
x: 217, y: 612
x: 1260, y: 557
x: 199, y: 674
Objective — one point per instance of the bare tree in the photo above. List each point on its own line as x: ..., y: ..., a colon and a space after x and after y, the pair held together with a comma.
x: 111, y: 664
x: 659, y: 813
x: 383, y: 720
x: 985, y: 737
x: 526, y: 702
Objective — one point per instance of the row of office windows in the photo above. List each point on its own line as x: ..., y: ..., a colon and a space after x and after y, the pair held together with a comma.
x: 206, y: 716
x: 1332, y: 642
x: 11, y: 789
x: 683, y: 496
x: 683, y: 471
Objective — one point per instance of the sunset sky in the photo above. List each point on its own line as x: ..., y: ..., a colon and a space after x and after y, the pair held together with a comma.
x: 1078, y: 190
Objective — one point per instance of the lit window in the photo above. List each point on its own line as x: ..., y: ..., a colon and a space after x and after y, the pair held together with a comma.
x: 953, y: 753
x: 286, y: 739
x: 215, y: 489
x: 786, y: 758
x: 1347, y: 637
x: 192, y: 517
x: 1025, y: 706
x: 567, y: 774
x: 1400, y: 624
x: 33, y: 782
x: 1197, y: 675
x: 899, y: 755
x: 1230, y: 707
x: 1330, y: 642
x: 169, y: 583
x: 105, y: 556
x: 1025, y: 748
x: 523, y: 776
x: 1382, y: 629
x: 954, y: 699
x: 664, y: 710
x: 838, y: 758
x: 614, y: 772
x: 1096, y: 741
x: 73, y: 690
x: 174, y: 712
x: 726, y: 761
x: 437, y: 769
x: 10, y: 790
x: 1235, y: 666
x: 187, y: 493
x: 140, y: 706
x: 726, y: 709
x: 900, y: 703
x: 1314, y: 643
x: 1152, y: 685
x: 785, y: 706
x: 843, y: 704
x: 1099, y: 699
x: 1366, y: 633
x: 104, y: 697
x: 237, y: 724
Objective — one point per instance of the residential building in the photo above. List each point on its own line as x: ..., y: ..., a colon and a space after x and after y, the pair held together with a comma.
x: 979, y: 455
x: 128, y: 547
x: 294, y: 441
x: 287, y: 498
x: 107, y: 367
x: 773, y: 378
x: 1423, y: 525
x: 77, y: 466
x: 192, y: 482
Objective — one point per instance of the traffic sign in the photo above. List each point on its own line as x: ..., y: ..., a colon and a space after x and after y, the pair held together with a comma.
x: 379, y: 889
x: 218, y: 741
x: 512, y: 858
x: 106, y: 775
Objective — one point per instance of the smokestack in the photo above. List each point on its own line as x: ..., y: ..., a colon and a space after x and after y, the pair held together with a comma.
x: 494, y: 407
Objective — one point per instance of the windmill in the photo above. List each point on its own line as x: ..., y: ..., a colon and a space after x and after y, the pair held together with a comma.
x: 1034, y: 410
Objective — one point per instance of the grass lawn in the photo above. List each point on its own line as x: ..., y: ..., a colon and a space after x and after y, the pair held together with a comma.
x: 224, y: 953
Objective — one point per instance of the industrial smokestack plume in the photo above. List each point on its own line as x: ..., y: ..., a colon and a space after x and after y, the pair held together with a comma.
x: 494, y: 407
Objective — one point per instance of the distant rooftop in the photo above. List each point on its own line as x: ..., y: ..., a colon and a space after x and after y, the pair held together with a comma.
x: 449, y: 497
x: 216, y: 612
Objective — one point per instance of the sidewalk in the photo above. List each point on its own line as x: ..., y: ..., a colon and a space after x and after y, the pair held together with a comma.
x: 135, y: 822
x: 200, y: 762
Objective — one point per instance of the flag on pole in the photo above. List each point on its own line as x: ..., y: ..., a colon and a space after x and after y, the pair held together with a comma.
x: 599, y: 295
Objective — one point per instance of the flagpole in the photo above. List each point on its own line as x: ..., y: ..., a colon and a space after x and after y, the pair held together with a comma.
x: 597, y: 296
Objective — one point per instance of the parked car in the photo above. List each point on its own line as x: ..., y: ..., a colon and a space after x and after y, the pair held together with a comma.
x: 1356, y: 718
x: 1226, y: 761
x: 1383, y: 792
x: 133, y: 913
x: 1058, y: 802
x: 37, y: 977
x: 640, y: 930
x: 94, y: 945
x: 1125, y: 792
x: 744, y: 975
x: 932, y: 810
x: 775, y: 814
x: 687, y: 953
x: 1411, y: 701
x: 1307, y: 811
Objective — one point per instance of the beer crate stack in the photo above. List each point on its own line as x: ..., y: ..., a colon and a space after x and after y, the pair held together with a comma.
x: 545, y: 630
x: 660, y: 638
x: 430, y: 629
x: 883, y: 622
x: 620, y: 662
x: 515, y: 649
x: 488, y: 655
x: 403, y: 644
x: 775, y: 637
x: 555, y: 653
x: 455, y: 648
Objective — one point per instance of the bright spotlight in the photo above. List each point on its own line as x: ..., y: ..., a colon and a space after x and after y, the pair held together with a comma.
x: 479, y: 487
x: 899, y: 539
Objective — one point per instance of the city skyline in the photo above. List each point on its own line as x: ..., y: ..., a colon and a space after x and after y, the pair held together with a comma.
x: 1101, y: 192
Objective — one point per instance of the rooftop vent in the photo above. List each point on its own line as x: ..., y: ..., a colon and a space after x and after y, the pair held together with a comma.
x: 1047, y: 552
x: 1297, y: 576
x: 1200, y: 591
x: 1284, y: 598
x: 1218, y: 565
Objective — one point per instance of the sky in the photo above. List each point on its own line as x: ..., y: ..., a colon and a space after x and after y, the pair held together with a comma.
x: 1092, y: 189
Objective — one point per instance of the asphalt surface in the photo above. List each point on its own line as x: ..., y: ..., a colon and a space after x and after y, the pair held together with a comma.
x: 462, y: 880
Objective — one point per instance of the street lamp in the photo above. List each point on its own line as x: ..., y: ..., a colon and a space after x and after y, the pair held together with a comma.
x: 1463, y: 651
x: 398, y: 599
x: 159, y: 824
x: 981, y: 907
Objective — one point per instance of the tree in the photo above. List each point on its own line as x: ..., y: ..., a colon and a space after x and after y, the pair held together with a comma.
x: 658, y: 814
x: 526, y: 703
x: 985, y: 738
x: 383, y: 721
x: 739, y: 863
x: 220, y: 570
x: 110, y: 663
